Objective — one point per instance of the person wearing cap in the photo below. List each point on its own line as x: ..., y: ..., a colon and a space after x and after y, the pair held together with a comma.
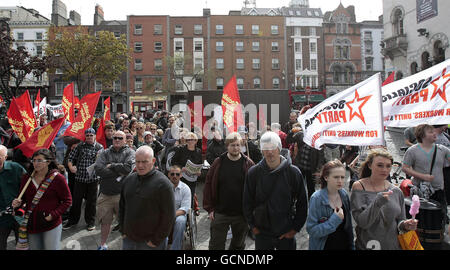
x: 222, y: 195
x: 112, y: 166
x: 85, y: 185
x: 248, y: 147
x: 275, y: 201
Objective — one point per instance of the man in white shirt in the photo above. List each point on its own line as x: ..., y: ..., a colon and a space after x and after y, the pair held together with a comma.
x: 182, y: 195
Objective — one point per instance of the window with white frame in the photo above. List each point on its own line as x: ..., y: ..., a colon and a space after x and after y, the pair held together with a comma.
x: 157, y: 29
x: 275, y: 63
x: 219, y: 46
x: 274, y: 29
x: 255, y: 29
x: 313, y: 47
x: 158, y: 46
x: 198, y: 29
x: 239, y: 46
x: 275, y: 47
x: 198, y: 63
x: 138, y: 46
x: 219, y: 83
x: 298, y: 64
x: 178, y: 46
x: 59, y: 88
x: 255, y: 46
x: 240, y: 63
x: 314, y: 64
x: 297, y: 31
x: 137, y: 64
x: 38, y: 35
x: 138, y: 29
x: 256, y: 83
x: 59, y: 71
x: 240, y: 83
x: 158, y: 84
x: 312, y: 31
x: 219, y: 63
x: 297, y: 47
x: 138, y: 84
x: 219, y: 29
x: 276, y: 83
x: 20, y: 36
x: 158, y: 64
x: 256, y: 63
x: 239, y: 29
x: 178, y: 29
x: 198, y: 46
x: 117, y: 87
x: 98, y: 85
x: 39, y: 50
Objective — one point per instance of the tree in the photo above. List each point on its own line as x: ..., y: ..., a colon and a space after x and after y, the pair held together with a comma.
x: 188, y: 76
x: 83, y: 57
x: 17, y: 64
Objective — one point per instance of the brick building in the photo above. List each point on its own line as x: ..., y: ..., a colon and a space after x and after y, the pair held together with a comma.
x: 342, y: 37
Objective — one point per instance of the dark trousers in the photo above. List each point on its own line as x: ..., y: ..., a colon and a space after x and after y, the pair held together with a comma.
x: 447, y: 183
x: 264, y: 242
x: 219, y: 229
x: 310, y: 184
x: 439, y: 196
x: 4, y: 234
x: 89, y: 193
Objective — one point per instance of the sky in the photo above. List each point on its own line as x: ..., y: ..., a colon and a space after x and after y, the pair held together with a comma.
x: 119, y: 9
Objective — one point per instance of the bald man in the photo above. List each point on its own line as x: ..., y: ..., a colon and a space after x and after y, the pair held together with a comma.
x: 112, y: 165
x: 147, y: 205
x: 10, y: 176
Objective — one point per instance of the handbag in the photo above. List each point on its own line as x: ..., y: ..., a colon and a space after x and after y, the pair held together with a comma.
x: 410, y: 241
x: 424, y: 189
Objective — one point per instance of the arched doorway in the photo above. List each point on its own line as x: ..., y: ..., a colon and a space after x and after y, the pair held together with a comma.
x: 439, y: 52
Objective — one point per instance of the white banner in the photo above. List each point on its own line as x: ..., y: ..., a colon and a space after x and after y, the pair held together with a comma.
x: 351, y: 117
x: 418, y: 99
x: 56, y: 110
x: 42, y: 107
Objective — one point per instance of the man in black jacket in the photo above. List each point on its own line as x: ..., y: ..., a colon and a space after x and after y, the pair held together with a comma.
x: 215, y: 148
x: 275, y: 203
x: 147, y: 205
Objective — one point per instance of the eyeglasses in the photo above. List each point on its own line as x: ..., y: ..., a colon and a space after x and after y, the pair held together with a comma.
x: 153, y: 129
x: 118, y: 138
x: 39, y: 160
x: 174, y: 174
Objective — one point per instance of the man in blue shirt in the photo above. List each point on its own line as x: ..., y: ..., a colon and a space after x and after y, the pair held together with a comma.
x: 10, y: 175
x: 60, y: 146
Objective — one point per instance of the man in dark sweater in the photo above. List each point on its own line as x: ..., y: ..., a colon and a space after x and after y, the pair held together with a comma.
x: 147, y: 205
x: 222, y: 195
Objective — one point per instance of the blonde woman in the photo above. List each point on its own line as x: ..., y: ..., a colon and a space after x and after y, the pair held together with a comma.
x: 378, y: 207
x: 139, y: 137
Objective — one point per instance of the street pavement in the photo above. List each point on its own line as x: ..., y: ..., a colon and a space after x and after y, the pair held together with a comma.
x: 78, y: 238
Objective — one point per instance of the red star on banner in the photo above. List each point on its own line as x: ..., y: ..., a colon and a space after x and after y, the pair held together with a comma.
x: 361, y: 102
x: 437, y: 83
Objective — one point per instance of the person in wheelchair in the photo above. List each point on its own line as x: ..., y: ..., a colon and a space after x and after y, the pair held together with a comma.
x: 182, y: 195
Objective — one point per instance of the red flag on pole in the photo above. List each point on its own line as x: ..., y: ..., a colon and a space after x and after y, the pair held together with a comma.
x: 231, y: 106
x: 76, y: 101
x: 107, y: 113
x: 26, y: 110
x: 100, y: 136
x: 16, y: 121
x: 389, y: 79
x: 68, y: 102
x: 42, y: 138
x: 37, y: 100
x: 84, y: 117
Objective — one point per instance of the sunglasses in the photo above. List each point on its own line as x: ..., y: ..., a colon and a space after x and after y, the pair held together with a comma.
x: 118, y: 138
x: 174, y: 174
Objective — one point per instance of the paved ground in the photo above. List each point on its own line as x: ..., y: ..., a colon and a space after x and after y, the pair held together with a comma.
x: 79, y: 238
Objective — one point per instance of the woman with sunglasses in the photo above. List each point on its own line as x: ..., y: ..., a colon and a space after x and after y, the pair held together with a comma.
x: 139, y: 139
x: 42, y: 223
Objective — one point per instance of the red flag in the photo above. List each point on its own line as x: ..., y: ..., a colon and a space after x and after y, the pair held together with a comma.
x: 231, y: 106
x: 84, y: 116
x: 198, y: 120
x: 290, y: 96
x: 37, y: 100
x: 68, y: 102
x: 76, y: 101
x: 107, y: 113
x: 26, y: 110
x: 100, y: 136
x: 16, y: 121
x: 42, y: 138
x: 389, y: 79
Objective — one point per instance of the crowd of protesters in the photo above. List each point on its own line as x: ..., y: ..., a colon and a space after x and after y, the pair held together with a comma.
x: 265, y: 184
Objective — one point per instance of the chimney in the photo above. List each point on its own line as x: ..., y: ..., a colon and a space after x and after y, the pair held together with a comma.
x: 99, y: 15
x: 206, y: 12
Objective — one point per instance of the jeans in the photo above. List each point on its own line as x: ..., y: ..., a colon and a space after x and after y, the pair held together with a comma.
x: 129, y: 244
x: 178, y: 232
x: 60, y: 152
x: 219, y: 230
x: 88, y: 192
x: 4, y: 234
x: 265, y: 242
x: 49, y: 240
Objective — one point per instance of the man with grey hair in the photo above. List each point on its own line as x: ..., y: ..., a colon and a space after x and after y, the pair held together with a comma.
x: 146, y: 208
x: 275, y: 203
x: 10, y: 175
x: 112, y: 166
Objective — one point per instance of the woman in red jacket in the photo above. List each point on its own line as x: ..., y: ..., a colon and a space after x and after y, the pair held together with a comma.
x: 44, y: 224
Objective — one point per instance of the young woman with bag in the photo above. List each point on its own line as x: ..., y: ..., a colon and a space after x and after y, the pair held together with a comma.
x: 46, y: 196
x: 378, y: 207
